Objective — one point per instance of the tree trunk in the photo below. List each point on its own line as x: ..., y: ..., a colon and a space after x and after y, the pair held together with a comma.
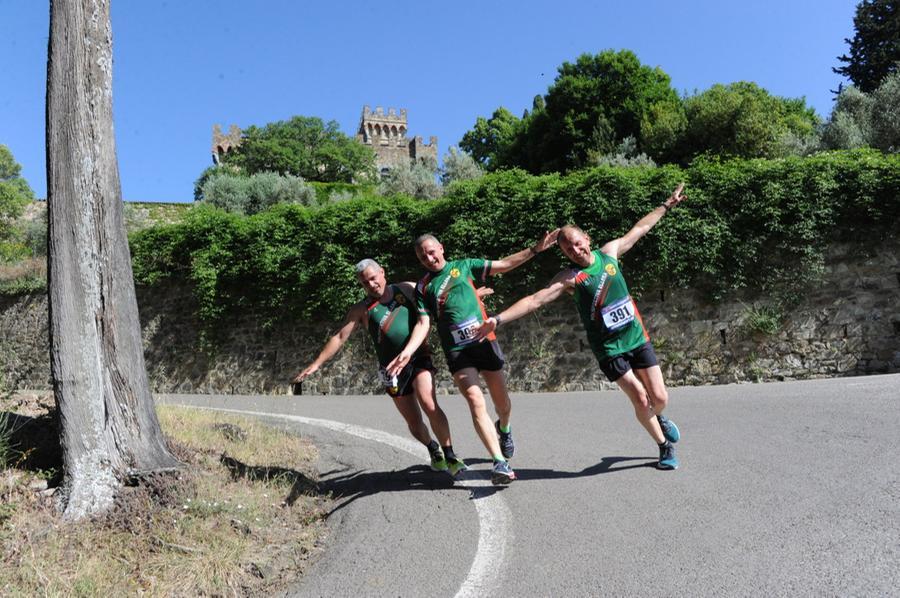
x: 108, y: 425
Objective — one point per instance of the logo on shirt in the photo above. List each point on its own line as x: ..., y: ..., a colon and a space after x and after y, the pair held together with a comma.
x: 610, y: 269
x: 454, y: 273
x: 400, y: 298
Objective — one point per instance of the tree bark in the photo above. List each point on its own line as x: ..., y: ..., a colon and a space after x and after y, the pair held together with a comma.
x: 108, y: 424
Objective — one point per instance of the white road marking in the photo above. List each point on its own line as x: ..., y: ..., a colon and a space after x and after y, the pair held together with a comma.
x: 494, y: 517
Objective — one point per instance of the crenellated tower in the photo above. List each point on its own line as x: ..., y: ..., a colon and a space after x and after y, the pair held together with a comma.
x: 385, y: 133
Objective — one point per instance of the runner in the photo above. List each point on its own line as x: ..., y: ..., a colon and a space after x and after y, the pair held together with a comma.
x: 388, y: 314
x: 447, y: 294
x: 613, y: 324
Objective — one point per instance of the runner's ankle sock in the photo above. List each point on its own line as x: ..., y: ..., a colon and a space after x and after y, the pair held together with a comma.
x: 664, y: 444
x: 433, y: 447
x: 498, y: 458
x: 448, y: 452
x: 505, y: 429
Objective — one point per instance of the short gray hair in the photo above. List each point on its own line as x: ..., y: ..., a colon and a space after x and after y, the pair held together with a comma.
x: 426, y: 237
x: 365, y: 264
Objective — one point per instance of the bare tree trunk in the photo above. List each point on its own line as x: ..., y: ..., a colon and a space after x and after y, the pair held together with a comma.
x: 108, y: 424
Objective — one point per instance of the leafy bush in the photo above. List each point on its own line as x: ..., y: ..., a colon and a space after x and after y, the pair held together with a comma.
x: 255, y: 193
x: 15, y: 194
x: 861, y: 119
x: 758, y: 224
x: 304, y: 146
x: 414, y: 180
x: 459, y: 166
x: 625, y: 154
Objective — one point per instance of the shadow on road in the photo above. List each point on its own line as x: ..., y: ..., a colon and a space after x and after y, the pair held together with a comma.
x: 606, y: 465
x: 352, y: 485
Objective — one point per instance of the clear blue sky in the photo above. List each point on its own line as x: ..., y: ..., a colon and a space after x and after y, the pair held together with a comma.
x: 183, y: 65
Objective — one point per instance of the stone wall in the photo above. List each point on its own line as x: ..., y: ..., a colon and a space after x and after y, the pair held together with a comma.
x: 847, y: 325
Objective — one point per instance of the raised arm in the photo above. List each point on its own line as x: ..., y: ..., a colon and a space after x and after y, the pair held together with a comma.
x: 334, y: 344
x: 515, y: 260
x: 528, y: 304
x: 621, y: 245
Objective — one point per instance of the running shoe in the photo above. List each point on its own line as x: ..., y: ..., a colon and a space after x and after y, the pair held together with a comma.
x: 507, y: 446
x: 438, y: 463
x: 502, y: 473
x: 667, y: 458
x: 455, y: 466
x: 669, y: 429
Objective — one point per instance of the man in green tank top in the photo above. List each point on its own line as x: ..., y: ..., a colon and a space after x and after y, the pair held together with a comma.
x: 447, y: 294
x: 610, y: 317
x: 388, y: 312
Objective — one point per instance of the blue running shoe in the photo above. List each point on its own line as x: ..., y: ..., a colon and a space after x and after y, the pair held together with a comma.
x: 502, y: 473
x: 507, y: 446
x: 669, y: 429
x: 667, y: 458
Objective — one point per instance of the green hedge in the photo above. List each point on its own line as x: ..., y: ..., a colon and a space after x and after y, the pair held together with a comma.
x: 759, y: 224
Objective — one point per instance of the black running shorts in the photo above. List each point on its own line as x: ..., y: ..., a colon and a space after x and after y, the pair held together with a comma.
x: 640, y: 358
x: 485, y: 355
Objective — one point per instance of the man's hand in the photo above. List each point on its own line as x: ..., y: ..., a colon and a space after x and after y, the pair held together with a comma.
x: 483, y: 292
x: 485, y: 328
x: 547, y: 241
x: 398, y: 363
x: 305, y: 373
x: 676, y: 197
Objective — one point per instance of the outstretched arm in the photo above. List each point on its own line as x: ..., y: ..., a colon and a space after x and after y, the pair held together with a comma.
x: 416, y: 337
x: 334, y: 344
x: 528, y: 304
x: 515, y: 260
x: 621, y: 245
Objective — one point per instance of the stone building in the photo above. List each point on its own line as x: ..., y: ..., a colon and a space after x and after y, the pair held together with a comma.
x: 386, y: 135
x: 222, y: 143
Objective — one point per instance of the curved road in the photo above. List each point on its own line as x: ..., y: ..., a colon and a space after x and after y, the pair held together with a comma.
x: 785, y: 489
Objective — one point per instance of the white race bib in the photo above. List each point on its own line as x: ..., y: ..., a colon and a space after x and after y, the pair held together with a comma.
x: 464, y: 332
x: 618, y: 314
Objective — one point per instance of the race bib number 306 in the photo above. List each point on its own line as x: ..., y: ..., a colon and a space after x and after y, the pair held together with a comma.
x: 464, y: 332
x: 618, y: 314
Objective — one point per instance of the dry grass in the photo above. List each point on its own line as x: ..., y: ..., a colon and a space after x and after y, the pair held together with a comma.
x: 241, y: 519
x: 29, y: 274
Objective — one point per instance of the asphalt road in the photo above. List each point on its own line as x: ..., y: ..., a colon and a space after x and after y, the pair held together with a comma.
x: 787, y: 489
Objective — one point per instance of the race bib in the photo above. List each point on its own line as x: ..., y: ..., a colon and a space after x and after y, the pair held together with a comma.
x: 618, y: 314
x: 464, y: 332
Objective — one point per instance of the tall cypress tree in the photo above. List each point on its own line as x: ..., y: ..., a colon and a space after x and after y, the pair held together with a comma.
x: 875, y: 48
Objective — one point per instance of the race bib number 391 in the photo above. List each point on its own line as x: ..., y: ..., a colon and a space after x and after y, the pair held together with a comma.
x: 618, y: 314
x: 464, y: 332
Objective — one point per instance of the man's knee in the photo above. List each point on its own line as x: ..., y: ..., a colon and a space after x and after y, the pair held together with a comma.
x: 660, y: 399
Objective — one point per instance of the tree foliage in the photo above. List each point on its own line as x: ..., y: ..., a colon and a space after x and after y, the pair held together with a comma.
x: 860, y: 119
x: 251, y: 194
x: 459, y: 166
x: 758, y: 224
x: 595, y: 103
x: 415, y: 179
x: 875, y: 47
x: 15, y: 194
x: 490, y: 139
x: 600, y: 102
x: 742, y: 120
x: 303, y: 146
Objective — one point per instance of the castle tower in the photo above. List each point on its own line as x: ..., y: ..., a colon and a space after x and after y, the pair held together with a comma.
x: 222, y: 143
x: 386, y: 135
